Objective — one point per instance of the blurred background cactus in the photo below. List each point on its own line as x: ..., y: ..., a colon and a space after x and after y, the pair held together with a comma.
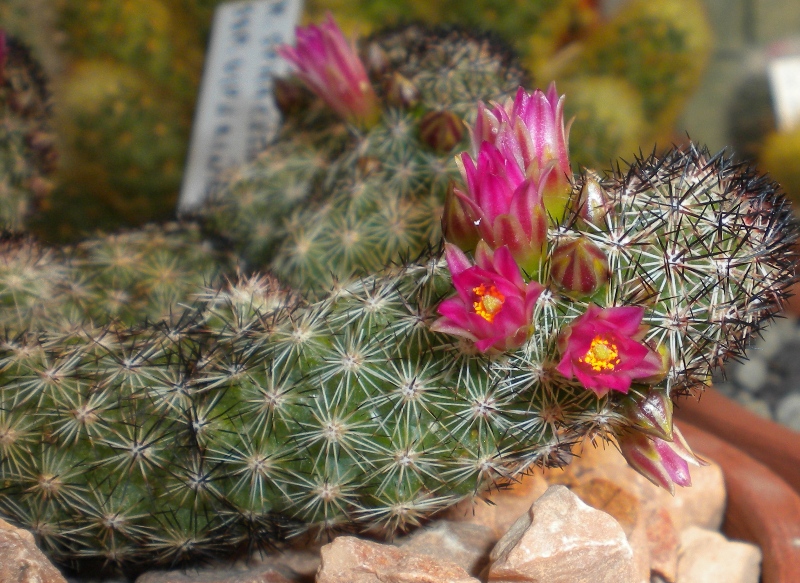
x: 125, y: 77
x: 27, y: 152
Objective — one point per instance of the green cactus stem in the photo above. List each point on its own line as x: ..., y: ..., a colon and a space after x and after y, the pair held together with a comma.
x: 260, y: 416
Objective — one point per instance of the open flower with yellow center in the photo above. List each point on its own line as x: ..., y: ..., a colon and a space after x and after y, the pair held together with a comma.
x: 494, y: 305
x: 603, y: 349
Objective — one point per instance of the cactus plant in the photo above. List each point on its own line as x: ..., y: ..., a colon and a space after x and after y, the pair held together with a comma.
x: 121, y: 280
x: 260, y: 415
x: 367, y: 197
x: 659, y: 47
x: 27, y: 153
x: 778, y: 158
x: 106, y: 109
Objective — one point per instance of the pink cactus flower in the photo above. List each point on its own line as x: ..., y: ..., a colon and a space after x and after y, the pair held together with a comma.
x: 331, y: 68
x: 494, y: 305
x: 602, y: 349
x: 665, y: 463
x: 506, y: 208
x: 531, y: 131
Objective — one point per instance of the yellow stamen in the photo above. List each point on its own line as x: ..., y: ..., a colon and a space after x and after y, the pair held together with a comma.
x: 490, y: 302
x: 602, y: 355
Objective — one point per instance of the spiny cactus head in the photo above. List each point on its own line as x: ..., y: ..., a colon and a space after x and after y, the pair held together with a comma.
x: 346, y: 198
x: 653, y: 276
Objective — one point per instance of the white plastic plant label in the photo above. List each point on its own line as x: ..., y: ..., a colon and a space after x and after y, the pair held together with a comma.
x: 784, y: 79
x: 236, y: 113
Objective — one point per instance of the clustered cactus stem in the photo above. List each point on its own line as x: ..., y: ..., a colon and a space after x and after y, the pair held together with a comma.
x: 579, y: 307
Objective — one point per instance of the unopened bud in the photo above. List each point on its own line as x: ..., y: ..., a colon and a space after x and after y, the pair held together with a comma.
x: 441, y: 130
x: 665, y: 463
x: 579, y: 266
x: 376, y: 59
x: 401, y: 92
x: 653, y: 415
x: 594, y: 203
x: 457, y: 226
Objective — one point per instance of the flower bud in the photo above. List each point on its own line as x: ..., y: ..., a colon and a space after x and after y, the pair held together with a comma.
x: 653, y: 415
x: 441, y: 130
x: 594, y: 203
x: 579, y: 266
x: 665, y: 463
x: 329, y: 65
x: 401, y: 92
x: 457, y: 227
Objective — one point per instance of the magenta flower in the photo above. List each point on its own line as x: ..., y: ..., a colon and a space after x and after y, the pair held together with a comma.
x: 494, y: 305
x: 505, y: 207
x: 331, y: 68
x: 665, y: 463
x: 519, y: 176
x: 602, y: 349
x: 530, y: 130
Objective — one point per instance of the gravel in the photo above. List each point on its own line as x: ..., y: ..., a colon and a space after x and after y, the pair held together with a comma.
x: 768, y: 382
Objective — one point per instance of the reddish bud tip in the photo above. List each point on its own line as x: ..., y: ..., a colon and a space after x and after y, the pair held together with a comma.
x: 579, y: 266
x: 441, y: 130
x: 401, y: 92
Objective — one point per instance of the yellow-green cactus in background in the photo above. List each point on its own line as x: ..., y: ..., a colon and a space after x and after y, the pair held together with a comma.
x: 608, y: 119
x: 124, y: 141
x: 124, y: 106
x: 779, y: 157
x: 144, y: 34
x: 660, y: 47
x: 652, y: 52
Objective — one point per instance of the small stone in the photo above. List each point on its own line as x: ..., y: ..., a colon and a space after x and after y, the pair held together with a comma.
x: 467, y: 545
x: 351, y: 560
x: 625, y: 507
x: 702, y: 504
x: 498, y: 509
x: 752, y: 374
x: 758, y: 406
x: 302, y: 563
x: 788, y: 411
x: 706, y: 556
x: 21, y: 561
x: 774, y: 337
x: 562, y: 540
x: 662, y: 539
x: 234, y: 574
x: 611, y: 498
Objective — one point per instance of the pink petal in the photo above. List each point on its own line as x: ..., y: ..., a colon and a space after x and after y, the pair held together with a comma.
x: 487, y: 343
x: 457, y: 260
x: 624, y: 319
x: 445, y: 326
x: 456, y: 311
x: 507, y: 268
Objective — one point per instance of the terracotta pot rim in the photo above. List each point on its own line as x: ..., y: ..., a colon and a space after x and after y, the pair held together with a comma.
x: 761, y: 507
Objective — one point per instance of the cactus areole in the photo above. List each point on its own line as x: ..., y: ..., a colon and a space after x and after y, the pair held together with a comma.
x: 252, y: 415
